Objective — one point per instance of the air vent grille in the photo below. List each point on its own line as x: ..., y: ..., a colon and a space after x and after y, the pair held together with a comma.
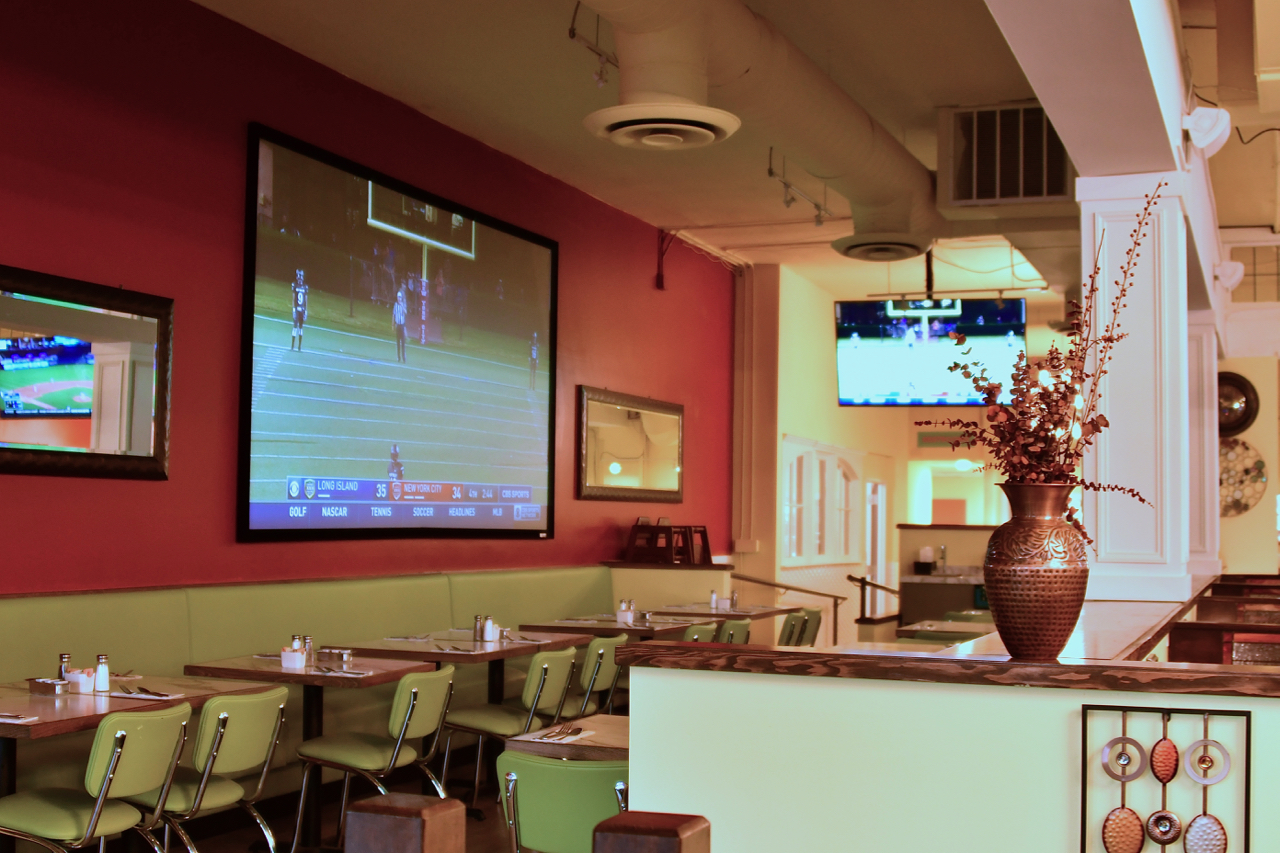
x: 1005, y: 154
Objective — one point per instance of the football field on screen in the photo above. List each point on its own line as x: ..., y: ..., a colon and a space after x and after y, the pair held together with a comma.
x: 336, y: 408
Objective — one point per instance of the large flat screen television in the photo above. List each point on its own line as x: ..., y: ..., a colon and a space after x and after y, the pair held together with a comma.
x: 896, y: 353
x: 398, y: 358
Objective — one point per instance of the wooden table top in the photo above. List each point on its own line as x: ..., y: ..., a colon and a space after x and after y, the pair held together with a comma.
x: 77, y: 712
x: 703, y: 610
x: 456, y: 646
x: 267, y: 668
x: 608, y: 742
x: 939, y: 626
x: 658, y: 628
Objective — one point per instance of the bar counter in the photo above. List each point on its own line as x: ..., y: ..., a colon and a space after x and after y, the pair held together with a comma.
x: 958, y: 749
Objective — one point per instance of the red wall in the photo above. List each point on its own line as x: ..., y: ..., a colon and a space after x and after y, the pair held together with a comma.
x: 122, y: 161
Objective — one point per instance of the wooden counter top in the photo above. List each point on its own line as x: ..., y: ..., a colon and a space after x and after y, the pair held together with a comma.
x: 1104, y: 653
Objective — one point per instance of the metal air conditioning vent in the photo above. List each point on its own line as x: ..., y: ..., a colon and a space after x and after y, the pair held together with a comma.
x: 662, y: 127
x: 1001, y: 155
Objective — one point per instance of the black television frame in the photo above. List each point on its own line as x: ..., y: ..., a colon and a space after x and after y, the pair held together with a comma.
x: 244, y: 533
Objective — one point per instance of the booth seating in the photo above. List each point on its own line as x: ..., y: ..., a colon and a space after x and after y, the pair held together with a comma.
x: 158, y: 632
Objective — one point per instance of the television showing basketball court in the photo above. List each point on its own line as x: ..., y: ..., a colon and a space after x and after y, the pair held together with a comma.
x: 398, y: 361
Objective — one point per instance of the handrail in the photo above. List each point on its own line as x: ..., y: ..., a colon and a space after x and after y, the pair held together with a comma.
x: 835, y: 599
x: 863, y: 584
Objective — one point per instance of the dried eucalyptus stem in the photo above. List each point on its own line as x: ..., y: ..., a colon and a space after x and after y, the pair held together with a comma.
x: 1052, y: 417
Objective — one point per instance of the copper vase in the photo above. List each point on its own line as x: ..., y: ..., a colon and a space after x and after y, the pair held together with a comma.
x: 1035, y: 572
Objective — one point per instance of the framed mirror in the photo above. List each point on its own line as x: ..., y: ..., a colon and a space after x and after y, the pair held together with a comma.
x: 84, y: 378
x: 629, y: 448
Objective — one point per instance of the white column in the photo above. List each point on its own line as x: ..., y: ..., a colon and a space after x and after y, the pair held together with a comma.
x: 1142, y: 552
x: 123, y: 398
x: 1202, y: 373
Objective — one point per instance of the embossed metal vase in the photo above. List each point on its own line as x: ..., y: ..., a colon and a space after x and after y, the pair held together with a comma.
x: 1035, y: 572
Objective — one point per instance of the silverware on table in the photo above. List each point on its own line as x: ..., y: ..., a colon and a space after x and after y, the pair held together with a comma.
x: 552, y: 734
x: 565, y: 735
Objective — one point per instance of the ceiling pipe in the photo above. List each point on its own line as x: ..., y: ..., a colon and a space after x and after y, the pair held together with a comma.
x: 757, y: 74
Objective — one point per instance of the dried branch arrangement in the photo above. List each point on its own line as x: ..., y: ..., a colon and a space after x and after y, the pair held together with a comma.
x: 1052, y: 417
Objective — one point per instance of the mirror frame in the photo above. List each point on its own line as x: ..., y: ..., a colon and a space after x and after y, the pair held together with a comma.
x: 587, y: 394
x: 65, y: 463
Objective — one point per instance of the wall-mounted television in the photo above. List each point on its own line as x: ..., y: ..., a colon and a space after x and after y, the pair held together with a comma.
x: 896, y: 353
x: 397, y: 359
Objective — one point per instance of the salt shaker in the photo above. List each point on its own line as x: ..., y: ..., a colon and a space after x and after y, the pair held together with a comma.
x: 714, y: 599
x: 490, y: 630
x: 733, y: 600
x: 64, y: 664
x: 296, y: 645
x: 102, y: 679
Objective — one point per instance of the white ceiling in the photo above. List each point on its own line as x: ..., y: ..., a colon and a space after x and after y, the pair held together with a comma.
x: 506, y: 73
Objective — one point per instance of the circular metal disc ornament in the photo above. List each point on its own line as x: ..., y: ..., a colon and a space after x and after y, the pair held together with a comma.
x: 1189, y: 759
x: 1128, y: 772
x: 1164, y: 827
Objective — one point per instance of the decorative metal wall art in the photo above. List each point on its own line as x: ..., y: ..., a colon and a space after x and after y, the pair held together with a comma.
x: 1242, y: 476
x: 1157, y: 802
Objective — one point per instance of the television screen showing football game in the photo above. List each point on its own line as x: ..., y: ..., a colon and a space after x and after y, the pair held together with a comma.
x: 896, y: 353
x: 398, y: 359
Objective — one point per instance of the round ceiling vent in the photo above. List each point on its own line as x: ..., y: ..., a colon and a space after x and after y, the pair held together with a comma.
x: 881, y: 248
x: 662, y: 127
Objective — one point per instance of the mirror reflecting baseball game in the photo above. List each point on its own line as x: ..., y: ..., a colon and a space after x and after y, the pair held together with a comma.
x: 398, y: 368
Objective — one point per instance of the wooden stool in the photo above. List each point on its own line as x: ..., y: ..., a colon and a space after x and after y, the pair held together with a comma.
x: 652, y: 832
x: 406, y: 823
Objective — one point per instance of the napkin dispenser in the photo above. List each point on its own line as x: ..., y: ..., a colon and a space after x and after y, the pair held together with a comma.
x: 49, y: 686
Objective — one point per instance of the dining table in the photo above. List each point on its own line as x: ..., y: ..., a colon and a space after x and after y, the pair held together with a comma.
x: 459, y: 646
x: 940, y: 626
x: 601, y: 737
x: 313, y: 678
x: 704, y: 610
x: 607, y: 625
x: 31, y: 716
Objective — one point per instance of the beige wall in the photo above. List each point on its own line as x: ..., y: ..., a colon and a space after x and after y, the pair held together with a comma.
x: 1249, y: 540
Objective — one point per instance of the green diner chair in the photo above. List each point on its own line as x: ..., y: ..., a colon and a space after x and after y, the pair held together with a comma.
x: 734, y: 631
x: 813, y: 621
x: 542, y: 700
x: 792, y: 629
x: 552, y: 805
x: 418, y: 709
x: 133, y: 752
x: 237, y: 734
x: 598, y: 674
x: 700, y: 633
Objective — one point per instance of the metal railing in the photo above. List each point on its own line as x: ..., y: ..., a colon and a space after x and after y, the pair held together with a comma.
x: 863, y: 585
x: 836, y: 600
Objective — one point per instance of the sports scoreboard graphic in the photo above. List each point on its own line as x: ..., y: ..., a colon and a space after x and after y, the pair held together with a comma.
x: 334, y: 502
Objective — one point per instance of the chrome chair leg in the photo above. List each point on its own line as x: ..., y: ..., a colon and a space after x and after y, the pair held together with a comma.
x: 475, y: 792
x: 262, y: 824
x: 182, y: 835
x: 444, y: 769
x: 307, y: 767
x: 431, y: 777
x: 342, y: 812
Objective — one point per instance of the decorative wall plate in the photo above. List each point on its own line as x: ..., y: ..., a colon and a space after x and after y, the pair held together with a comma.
x: 1242, y: 476
x: 1237, y: 404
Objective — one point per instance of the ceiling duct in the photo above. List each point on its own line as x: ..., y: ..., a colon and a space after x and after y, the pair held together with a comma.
x: 663, y: 85
x: 673, y: 52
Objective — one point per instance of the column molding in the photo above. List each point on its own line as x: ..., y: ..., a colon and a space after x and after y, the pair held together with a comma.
x: 1204, y: 522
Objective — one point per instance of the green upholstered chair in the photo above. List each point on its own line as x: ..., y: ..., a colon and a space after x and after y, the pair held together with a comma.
x: 809, y: 635
x: 700, y: 633
x: 237, y: 734
x: 734, y: 631
x: 133, y: 752
x: 552, y: 805
x: 542, y: 700
x: 792, y: 628
x: 417, y: 710
x: 598, y: 674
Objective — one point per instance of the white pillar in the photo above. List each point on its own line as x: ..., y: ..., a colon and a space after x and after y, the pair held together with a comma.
x: 1142, y: 552
x: 1202, y: 373
x: 123, y: 398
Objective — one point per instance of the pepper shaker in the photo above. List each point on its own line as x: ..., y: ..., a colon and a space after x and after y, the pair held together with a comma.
x: 64, y: 664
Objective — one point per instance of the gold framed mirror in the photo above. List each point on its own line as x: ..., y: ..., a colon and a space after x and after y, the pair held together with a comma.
x: 84, y: 378
x: 629, y: 448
